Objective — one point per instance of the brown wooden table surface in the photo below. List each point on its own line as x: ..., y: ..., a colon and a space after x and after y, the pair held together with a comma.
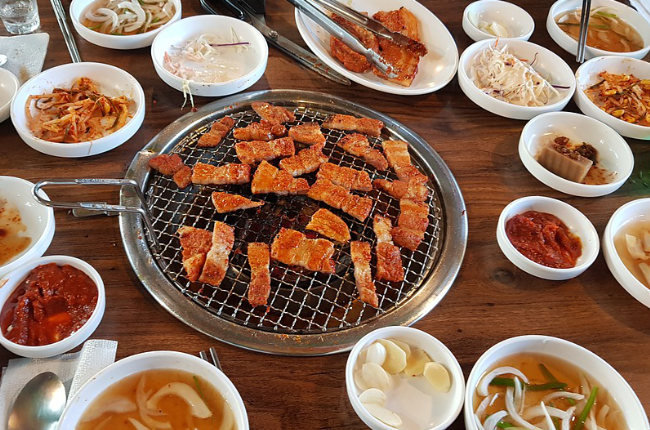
x: 491, y: 299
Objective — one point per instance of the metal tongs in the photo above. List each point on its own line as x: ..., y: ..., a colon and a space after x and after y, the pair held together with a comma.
x: 82, y: 208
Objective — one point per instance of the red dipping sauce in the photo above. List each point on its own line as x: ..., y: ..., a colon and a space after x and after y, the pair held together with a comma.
x: 49, y: 305
x: 544, y: 239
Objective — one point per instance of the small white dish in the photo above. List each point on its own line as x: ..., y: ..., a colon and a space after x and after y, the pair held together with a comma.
x: 626, y: 13
x: 577, y: 223
x: 13, y: 279
x: 608, y: 378
x: 148, y: 361
x: 37, y: 218
x: 432, y: 411
x: 587, y: 75
x: 614, y: 153
x: 515, y: 20
x: 78, y: 9
x: 435, y: 70
x: 634, y: 211
x: 547, y: 64
x: 111, y: 81
x: 8, y: 88
x: 194, y: 26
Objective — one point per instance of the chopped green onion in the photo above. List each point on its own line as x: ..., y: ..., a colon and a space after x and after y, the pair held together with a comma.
x: 570, y: 401
x: 605, y: 14
x: 198, y: 387
x: 509, y: 382
x: 155, y: 20
x: 596, y: 26
x: 504, y: 425
x: 556, y: 423
x: 580, y: 422
x: 547, y: 373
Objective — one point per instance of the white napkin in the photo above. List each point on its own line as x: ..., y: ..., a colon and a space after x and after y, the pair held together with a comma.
x: 643, y: 7
x: 73, y: 369
x: 25, y: 54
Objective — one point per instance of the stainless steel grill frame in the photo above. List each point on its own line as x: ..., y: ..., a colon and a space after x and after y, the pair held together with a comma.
x: 308, y: 313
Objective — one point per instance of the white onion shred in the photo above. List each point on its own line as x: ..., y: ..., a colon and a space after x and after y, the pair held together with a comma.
x: 130, y: 16
x: 482, y: 388
x: 566, y: 421
x: 137, y: 424
x: 563, y: 395
x: 491, y: 421
x: 477, y: 421
x: 538, y: 411
x: 512, y: 411
x: 547, y: 417
x: 118, y: 405
x: 602, y: 415
x: 488, y: 401
x: 519, y: 395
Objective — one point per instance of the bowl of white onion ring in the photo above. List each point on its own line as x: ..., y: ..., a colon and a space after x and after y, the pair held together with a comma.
x: 136, y: 27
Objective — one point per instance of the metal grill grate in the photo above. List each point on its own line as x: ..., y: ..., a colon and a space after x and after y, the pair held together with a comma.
x: 301, y: 302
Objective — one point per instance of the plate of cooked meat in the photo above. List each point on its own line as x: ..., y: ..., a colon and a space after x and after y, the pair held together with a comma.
x: 416, y: 73
x: 293, y: 222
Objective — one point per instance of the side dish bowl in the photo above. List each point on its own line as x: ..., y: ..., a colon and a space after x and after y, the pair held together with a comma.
x: 111, y: 80
x: 580, y: 357
x: 626, y: 13
x: 515, y: 20
x: 37, y: 218
x: 8, y: 88
x: 133, y: 41
x: 13, y: 280
x: 577, y: 223
x: 547, y: 64
x: 613, y: 151
x: 636, y: 210
x: 148, y: 361
x: 194, y: 26
x: 587, y: 75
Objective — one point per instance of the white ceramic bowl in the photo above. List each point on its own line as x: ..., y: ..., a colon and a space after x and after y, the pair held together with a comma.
x: 577, y: 223
x: 608, y: 378
x: 192, y: 27
x: 424, y: 406
x: 436, y: 69
x: 634, y: 211
x: 547, y: 64
x: 111, y: 81
x: 517, y: 21
x: 570, y: 45
x: 37, y: 218
x: 587, y: 75
x: 8, y: 88
x: 134, y: 41
x: 614, y: 154
x: 13, y: 279
x: 147, y: 361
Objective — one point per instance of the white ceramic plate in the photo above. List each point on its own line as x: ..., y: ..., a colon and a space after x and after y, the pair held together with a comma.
x: 8, y: 87
x: 515, y: 20
x: 436, y: 68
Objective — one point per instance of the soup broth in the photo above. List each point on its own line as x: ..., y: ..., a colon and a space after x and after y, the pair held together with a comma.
x: 164, y: 395
x: 635, y: 229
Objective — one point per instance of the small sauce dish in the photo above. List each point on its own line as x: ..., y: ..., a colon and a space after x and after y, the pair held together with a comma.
x: 8, y: 88
x: 514, y: 20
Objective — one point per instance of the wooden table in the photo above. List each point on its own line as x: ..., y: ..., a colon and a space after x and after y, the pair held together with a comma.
x: 491, y: 299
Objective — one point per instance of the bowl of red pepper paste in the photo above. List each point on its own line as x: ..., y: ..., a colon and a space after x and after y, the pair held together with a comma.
x: 49, y: 306
x: 547, y: 238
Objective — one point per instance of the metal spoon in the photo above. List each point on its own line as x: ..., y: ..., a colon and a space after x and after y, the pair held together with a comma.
x: 39, y: 404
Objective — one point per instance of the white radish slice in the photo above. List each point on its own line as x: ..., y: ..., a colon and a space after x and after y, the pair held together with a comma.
x: 373, y: 395
x: 646, y: 241
x: 198, y: 408
x: 563, y: 395
x: 403, y: 345
x: 634, y: 247
x: 375, y: 376
x: 438, y: 376
x: 482, y: 388
x: 384, y: 415
x: 645, y: 269
x: 416, y: 361
x: 358, y: 380
x: 491, y: 422
x: 376, y: 353
x: 395, y: 357
x: 512, y: 411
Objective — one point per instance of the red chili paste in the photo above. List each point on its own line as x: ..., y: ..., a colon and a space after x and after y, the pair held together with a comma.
x: 49, y: 305
x: 545, y: 239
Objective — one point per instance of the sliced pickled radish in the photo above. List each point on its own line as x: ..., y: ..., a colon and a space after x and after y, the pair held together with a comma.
x: 376, y: 353
x: 373, y: 395
x: 375, y: 376
x: 438, y: 376
x: 384, y: 415
x: 645, y: 269
x: 646, y: 241
x: 403, y: 345
x: 395, y: 357
x: 635, y: 248
x: 416, y: 361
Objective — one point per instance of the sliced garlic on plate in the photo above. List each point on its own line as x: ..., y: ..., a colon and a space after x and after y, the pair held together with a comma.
x: 438, y: 376
x: 376, y: 353
x: 416, y: 361
x: 375, y: 376
x: 395, y: 357
x: 403, y: 345
x: 373, y: 395
x: 384, y: 415
x: 358, y: 380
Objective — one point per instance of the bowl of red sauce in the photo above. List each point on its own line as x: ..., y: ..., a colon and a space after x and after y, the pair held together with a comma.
x: 49, y: 306
x: 547, y: 238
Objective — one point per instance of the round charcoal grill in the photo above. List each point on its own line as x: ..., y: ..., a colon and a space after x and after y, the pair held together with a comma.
x: 308, y: 313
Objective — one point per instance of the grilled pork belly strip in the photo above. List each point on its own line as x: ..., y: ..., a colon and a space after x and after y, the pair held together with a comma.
x: 360, y: 253
x: 254, y: 151
x: 346, y: 177
x: 329, y: 225
x: 358, y: 145
x: 412, y: 223
x: 397, y: 154
x: 195, y: 244
x: 340, y: 198
x: 226, y: 202
x: 291, y: 247
x: 269, y: 179
x: 183, y: 177
x: 216, y: 261
x: 172, y: 165
x: 217, y: 132
x: 389, y: 260
x: 412, y: 189
x: 263, y: 130
x: 309, y: 133
x: 272, y: 113
x: 232, y: 173
x: 371, y: 127
x: 306, y: 161
x: 260, y: 284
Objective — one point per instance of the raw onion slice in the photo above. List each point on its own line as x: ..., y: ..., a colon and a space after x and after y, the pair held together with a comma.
x: 488, y: 401
x: 478, y: 423
x: 547, y: 417
x: 566, y: 421
x: 519, y: 395
x: 137, y: 424
x: 562, y: 394
x: 538, y: 411
x: 512, y: 411
x: 491, y: 421
x: 118, y: 405
x: 602, y: 414
x: 482, y: 388
x: 186, y: 393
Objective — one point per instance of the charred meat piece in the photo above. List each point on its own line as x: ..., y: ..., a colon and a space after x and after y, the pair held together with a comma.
x: 216, y: 261
x: 412, y: 223
x: 400, y: 21
x: 340, y: 198
x: 232, y: 173
x: 195, y: 244
x: 259, y: 150
x: 358, y: 145
x: 263, y: 130
x: 360, y: 253
x: 308, y: 133
x: 273, y: 114
x: 183, y: 177
x: 397, y: 154
x: 346, y: 177
x: 371, y: 127
x: 329, y: 225
x: 226, y: 202
x: 166, y: 164
x: 218, y: 131
x: 291, y: 247
x: 306, y: 161
x: 350, y: 59
x: 412, y: 189
x: 260, y: 284
x: 389, y: 260
x: 269, y: 179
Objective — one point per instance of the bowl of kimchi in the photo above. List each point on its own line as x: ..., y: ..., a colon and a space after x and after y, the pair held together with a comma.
x: 78, y: 109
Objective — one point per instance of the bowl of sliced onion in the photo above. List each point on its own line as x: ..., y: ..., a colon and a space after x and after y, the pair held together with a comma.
x: 123, y: 24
